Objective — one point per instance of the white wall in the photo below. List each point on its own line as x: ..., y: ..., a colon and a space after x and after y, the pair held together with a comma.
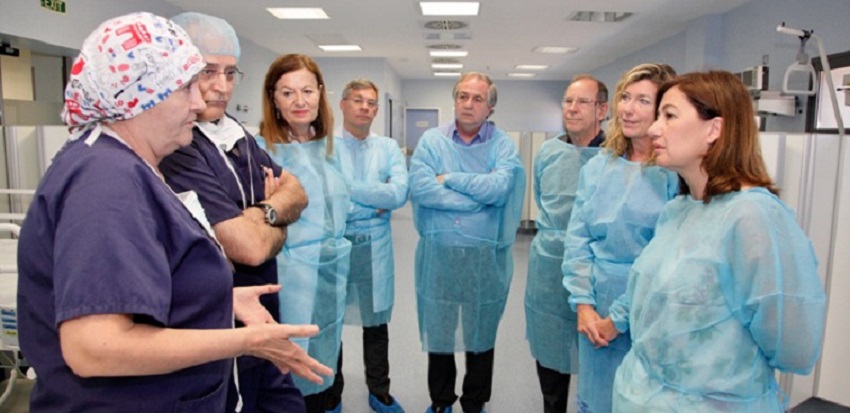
x: 254, y: 62
x: 834, y: 379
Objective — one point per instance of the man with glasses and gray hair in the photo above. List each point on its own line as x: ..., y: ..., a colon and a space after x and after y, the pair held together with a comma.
x: 551, y: 326
x: 466, y: 188
x: 248, y: 200
x: 376, y: 174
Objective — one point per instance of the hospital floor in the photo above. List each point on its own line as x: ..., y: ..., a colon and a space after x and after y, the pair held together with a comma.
x: 515, y: 385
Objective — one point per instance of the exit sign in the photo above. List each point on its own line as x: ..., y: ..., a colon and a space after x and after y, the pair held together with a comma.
x: 55, y: 5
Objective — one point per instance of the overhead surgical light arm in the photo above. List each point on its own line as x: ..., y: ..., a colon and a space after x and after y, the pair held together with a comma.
x: 804, y: 35
x: 802, y: 64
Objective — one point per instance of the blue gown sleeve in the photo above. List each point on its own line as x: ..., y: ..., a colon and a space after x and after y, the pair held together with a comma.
x: 538, y: 166
x: 359, y: 212
x: 490, y: 188
x: 773, y: 288
x: 578, y: 256
x: 385, y: 195
x: 426, y: 191
x: 619, y: 310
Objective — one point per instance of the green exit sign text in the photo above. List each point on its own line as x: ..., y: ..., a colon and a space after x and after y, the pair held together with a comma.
x: 55, y: 5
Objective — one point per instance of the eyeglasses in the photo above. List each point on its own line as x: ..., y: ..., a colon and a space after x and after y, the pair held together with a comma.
x: 231, y: 74
x: 463, y: 97
x: 582, y: 102
x: 372, y: 104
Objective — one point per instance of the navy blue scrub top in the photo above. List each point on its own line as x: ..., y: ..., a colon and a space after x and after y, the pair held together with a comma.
x: 105, y: 235
x: 201, y: 168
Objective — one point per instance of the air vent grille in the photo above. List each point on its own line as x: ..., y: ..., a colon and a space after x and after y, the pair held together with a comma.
x: 444, y: 46
x: 445, y: 25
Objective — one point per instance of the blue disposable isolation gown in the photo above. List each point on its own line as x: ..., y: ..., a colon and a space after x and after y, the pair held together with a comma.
x: 467, y: 227
x: 376, y: 173
x: 616, y: 207
x: 313, y: 264
x: 725, y: 294
x: 550, y: 325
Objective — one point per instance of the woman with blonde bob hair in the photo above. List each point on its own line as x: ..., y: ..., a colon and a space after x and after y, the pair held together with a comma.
x: 617, y: 203
x: 728, y: 290
x: 297, y: 131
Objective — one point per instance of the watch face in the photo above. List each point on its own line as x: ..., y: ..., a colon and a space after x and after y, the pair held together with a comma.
x: 271, y: 215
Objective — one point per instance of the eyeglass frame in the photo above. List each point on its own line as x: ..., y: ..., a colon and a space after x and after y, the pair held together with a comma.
x: 371, y: 104
x: 580, y: 102
x: 235, y: 77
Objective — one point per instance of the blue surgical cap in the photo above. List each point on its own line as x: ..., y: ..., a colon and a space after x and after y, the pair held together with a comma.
x: 211, y: 35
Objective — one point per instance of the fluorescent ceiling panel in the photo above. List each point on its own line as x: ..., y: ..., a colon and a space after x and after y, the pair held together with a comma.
x: 301, y: 13
x: 521, y: 74
x: 447, y: 74
x: 446, y: 66
x: 554, y: 49
x: 448, y: 53
x: 531, y: 67
x: 340, y: 47
x: 449, y: 8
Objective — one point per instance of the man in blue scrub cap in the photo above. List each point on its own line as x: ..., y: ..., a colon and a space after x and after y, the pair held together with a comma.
x: 467, y: 185
x: 551, y: 327
x: 247, y: 198
x: 376, y: 173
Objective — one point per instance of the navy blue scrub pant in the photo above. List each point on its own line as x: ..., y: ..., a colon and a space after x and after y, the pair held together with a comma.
x: 264, y: 389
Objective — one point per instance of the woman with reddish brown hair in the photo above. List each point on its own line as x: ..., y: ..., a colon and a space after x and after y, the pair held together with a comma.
x: 297, y: 131
x: 727, y: 291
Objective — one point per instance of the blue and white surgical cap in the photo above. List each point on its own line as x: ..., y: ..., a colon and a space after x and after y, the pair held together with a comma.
x: 212, y: 35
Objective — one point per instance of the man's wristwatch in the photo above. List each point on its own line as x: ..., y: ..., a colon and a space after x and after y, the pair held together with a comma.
x: 269, y: 213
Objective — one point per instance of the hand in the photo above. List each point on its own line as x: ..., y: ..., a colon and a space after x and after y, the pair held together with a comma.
x: 271, y: 182
x: 441, y: 179
x: 271, y: 342
x: 291, y: 195
x: 607, y: 331
x: 247, y: 307
x: 587, y: 319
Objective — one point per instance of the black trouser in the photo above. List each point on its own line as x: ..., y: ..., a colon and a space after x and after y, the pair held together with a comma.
x: 477, y: 383
x: 376, y: 343
x: 555, y: 387
x: 318, y: 403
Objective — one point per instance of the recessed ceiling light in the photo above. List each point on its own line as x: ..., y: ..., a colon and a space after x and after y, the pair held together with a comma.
x: 449, y: 8
x: 448, y: 53
x: 447, y: 74
x: 531, y: 67
x: 554, y: 49
x: 340, y: 47
x: 298, y: 13
x: 599, y: 16
x: 446, y: 66
x: 521, y: 74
